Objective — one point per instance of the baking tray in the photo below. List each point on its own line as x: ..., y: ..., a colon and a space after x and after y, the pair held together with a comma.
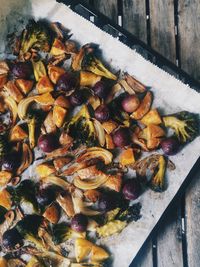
x: 154, y: 57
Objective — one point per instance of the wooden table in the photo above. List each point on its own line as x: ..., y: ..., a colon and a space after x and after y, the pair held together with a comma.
x: 172, y: 27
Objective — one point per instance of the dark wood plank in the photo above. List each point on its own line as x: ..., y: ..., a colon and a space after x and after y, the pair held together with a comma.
x: 192, y: 215
x: 134, y: 18
x: 163, y: 28
x: 169, y: 240
x: 108, y: 8
x: 189, y: 36
x: 145, y: 258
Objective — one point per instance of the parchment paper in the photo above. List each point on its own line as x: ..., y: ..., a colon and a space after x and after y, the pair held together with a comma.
x: 170, y: 94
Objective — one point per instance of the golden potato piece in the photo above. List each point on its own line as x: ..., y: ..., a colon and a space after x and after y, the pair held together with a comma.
x: 17, y: 134
x: 109, y: 142
x: 58, y: 48
x: 127, y: 157
x: 109, y: 126
x: 11, y: 88
x: 94, y: 101
x: 62, y: 101
x: 24, y: 85
x: 83, y: 248
x: 114, y: 182
x: 92, y: 195
x: 99, y: 254
x: 144, y: 107
x: 5, y: 199
x: 52, y: 213
x: 45, y: 169
x: 5, y: 177
x: 152, y: 117
x: 54, y: 73
x: 3, y: 262
x: 49, y: 124
x: 88, y: 78
x: 44, y: 85
x: 59, y: 114
x: 65, y: 201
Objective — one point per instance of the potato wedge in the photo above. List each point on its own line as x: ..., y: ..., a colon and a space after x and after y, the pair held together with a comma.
x: 45, y: 169
x: 12, y: 90
x: 98, y: 254
x: 54, y: 73
x: 44, y: 85
x: 144, y: 107
x: 5, y: 177
x: 109, y: 126
x: 17, y: 134
x: 137, y: 86
x: 65, y: 202
x: 59, y: 114
x: 49, y: 125
x: 39, y: 69
x: 52, y: 213
x: 127, y: 157
x: 58, y: 48
x: 5, y: 199
x: 152, y: 117
x: 94, y: 101
x: 83, y: 248
x: 62, y: 101
x: 24, y: 85
x: 114, y: 182
x: 88, y: 78
x: 109, y: 142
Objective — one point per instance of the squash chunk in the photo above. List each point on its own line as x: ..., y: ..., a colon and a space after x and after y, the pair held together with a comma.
x: 44, y: 85
x: 152, y: 117
x: 59, y: 114
x: 127, y: 157
x: 18, y: 134
x: 24, y: 85
x: 144, y: 107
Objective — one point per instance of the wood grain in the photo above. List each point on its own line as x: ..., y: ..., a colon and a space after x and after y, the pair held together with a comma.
x: 169, y: 240
x: 134, y: 18
x: 189, y: 36
x: 108, y: 8
x: 145, y: 257
x: 162, y: 28
x: 192, y: 215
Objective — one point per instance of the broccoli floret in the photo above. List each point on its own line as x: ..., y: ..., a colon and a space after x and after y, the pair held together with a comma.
x: 34, y: 119
x: 62, y: 232
x: 185, y: 125
x: 157, y: 182
x: 87, y: 60
x: 37, y: 35
x: 81, y: 128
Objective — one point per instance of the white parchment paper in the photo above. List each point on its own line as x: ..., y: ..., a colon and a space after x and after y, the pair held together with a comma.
x: 170, y: 94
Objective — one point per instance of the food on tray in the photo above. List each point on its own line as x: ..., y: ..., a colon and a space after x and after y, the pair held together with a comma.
x: 70, y: 137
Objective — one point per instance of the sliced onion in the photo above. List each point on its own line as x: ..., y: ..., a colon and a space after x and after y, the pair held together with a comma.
x: 91, y: 183
x: 99, y: 132
x: 13, y: 107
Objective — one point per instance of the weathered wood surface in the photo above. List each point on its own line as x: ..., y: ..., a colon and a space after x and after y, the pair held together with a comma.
x: 134, y: 19
x: 161, y: 29
x: 189, y: 36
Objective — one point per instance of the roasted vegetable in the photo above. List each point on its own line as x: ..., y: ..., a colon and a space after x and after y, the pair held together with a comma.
x: 127, y: 157
x: 111, y: 228
x: 3, y: 211
x: 184, y: 124
x: 4, y: 146
x: 137, y: 86
x: 52, y: 213
x: 86, y: 60
x: 81, y: 128
x: 34, y: 120
x: 17, y: 134
x: 84, y: 247
x: 24, y: 85
x: 27, y: 158
x: 44, y: 85
x: 152, y: 117
x: 157, y: 182
x: 37, y: 35
x: 62, y: 232
x: 5, y: 199
x: 88, y: 78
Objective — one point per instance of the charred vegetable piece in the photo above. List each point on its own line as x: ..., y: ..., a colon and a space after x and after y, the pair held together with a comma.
x: 86, y: 60
x: 46, y: 196
x: 129, y: 214
x: 2, y: 214
x: 4, y: 147
x: 11, y: 161
x: 25, y: 191
x: 81, y: 128
x: 62, y: 232
x: 52, y: 213
x: 22, y: 70
x: 12, y: 239
x: 34, y: 119
x: 77, y: 98
x: 184, y: 124
x: 37, y: 35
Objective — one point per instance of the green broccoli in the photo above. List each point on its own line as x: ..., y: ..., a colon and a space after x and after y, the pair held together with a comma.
x: 185, y: 125
x: 37, y: 35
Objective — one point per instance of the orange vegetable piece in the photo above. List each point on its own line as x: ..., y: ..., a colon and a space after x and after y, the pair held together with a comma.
x: 127, y: 157
x: 144, y: 107
x: 17, y: 134
x: 5, y: 199
x: 44, y: 170
x: 109, y: 142
x: 59, y: 114
x: 44, y: 85
x: 152, y: 117
x: 55, y: 73
x: 109, y: 126
x: 24, y: 85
